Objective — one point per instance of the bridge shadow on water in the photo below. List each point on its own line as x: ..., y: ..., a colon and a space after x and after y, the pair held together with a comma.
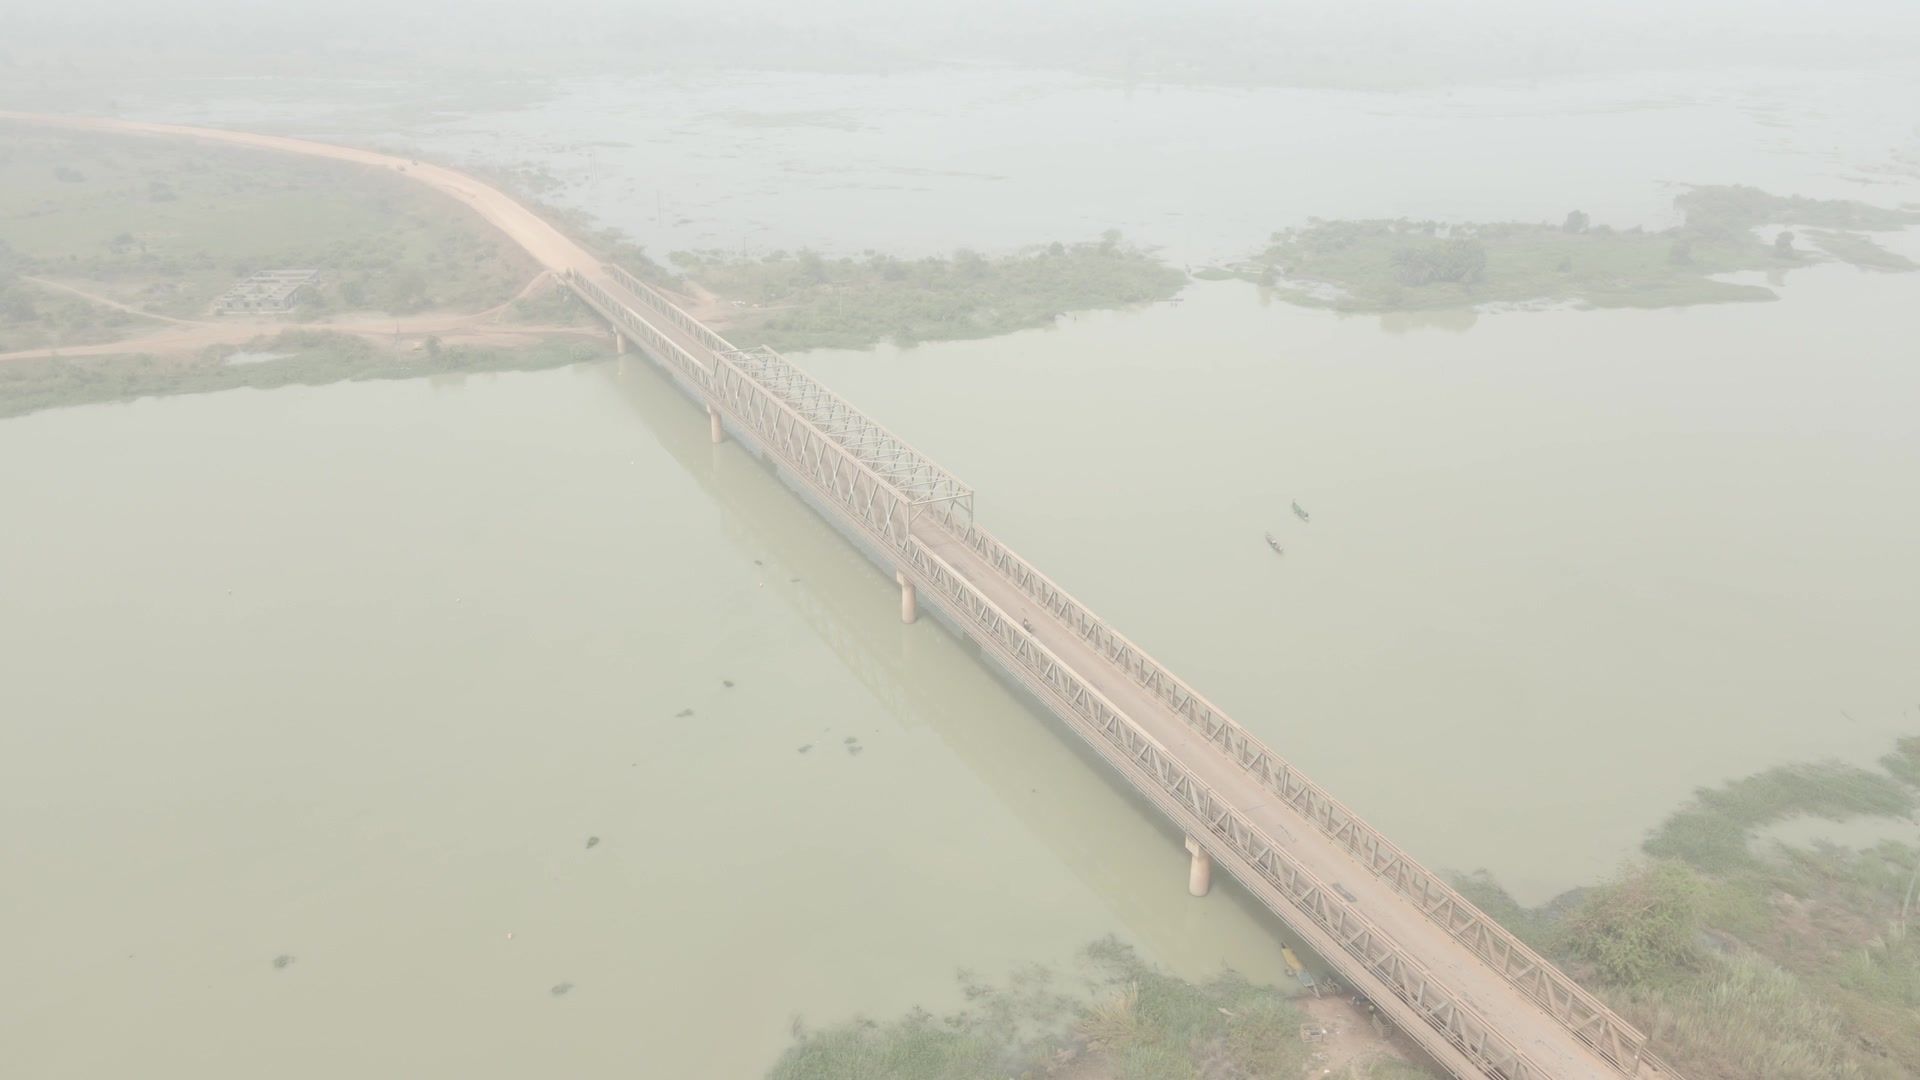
x: 928, y: 675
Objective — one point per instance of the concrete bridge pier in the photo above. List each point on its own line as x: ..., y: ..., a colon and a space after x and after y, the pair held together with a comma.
x: 909, y: 602
x: 1200, y: 870
x: 619, y: 343
x: 714, y: 431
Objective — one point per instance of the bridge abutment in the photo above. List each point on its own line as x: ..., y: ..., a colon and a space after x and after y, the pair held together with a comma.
x: 714, y: 431
x: 909, y: 601
x: 1199, y: 870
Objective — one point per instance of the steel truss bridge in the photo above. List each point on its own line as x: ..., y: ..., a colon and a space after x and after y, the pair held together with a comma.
x: 1472, y: 995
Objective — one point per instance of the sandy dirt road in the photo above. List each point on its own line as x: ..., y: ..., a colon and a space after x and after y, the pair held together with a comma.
x: 545, y: 243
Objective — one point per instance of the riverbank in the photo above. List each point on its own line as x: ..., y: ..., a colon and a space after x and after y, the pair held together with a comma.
x: 1112, y: 1016
x: 294, y: 357
x: 1381, y: 265
x: 1744, y: 956
x: 118, y: 244
x: 108, y: 235
x: 804, y: 301
x: 1739, y: 956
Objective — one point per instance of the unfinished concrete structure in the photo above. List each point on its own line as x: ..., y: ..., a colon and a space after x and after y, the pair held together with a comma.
x: 269, y: 292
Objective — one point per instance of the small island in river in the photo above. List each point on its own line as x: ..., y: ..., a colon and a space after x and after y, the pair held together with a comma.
x: 803, y: 300
x: 1400, y: 265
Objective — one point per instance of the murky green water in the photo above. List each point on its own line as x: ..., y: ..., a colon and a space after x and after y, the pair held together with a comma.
x: 351, y: 674
x: 1563, y: 567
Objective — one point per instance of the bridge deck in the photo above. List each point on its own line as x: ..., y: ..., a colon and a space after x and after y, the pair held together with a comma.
x: 1532, y: 1031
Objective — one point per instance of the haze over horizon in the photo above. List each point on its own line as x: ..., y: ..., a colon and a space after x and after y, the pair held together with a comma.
x: 1383, y: 43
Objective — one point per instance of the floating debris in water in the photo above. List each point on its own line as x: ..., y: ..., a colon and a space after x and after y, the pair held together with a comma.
x: 851, y: 739
x: 561, y: 989
x: 281, y: 961
x: 728, y: 683
x: 683, y: 714
x: 855, y: 749
x: 795, y: 580
x: 757, y: 562
x: 592, y: 842
x: 806, y: 748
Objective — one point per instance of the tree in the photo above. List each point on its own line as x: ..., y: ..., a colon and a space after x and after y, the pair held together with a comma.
x: 1783, y: 246
x: 1576, y: 222
x: 1640, y: 926
x: 1457, y: 260
x: 405, y: 291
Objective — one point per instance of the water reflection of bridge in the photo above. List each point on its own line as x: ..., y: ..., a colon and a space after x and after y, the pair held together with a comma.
x: 1091, y: 825
x: 1476, y: 998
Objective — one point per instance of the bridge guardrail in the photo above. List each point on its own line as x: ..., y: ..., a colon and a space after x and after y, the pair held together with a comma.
x: 1578, y: 1010
x: 851, y: 484
x: 675, y: 314
x: 912, y: 473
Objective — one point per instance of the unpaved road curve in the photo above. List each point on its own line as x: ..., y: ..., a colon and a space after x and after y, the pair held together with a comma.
x: 544, y: 242
x: 454, y: 329
x: 108, y: 301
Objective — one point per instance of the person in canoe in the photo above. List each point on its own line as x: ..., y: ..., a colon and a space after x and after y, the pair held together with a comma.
x: 1274, y: 544
x: 1302, y: 514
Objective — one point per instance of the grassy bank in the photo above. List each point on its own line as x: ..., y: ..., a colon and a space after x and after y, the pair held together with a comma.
x: 1381, y: 265
x: 1741, y: 958
x: 299, y: 357
x: 1112, y: 1018
x: 804, y: 301
x: 164, y: 226
x: 1746, y: 958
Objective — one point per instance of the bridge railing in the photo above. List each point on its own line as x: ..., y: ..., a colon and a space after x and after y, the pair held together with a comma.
x: 912, y: 473
x: 674, y: 314
x: 842, y: 477
x: 907, y: 469
x: 1578, y: 1010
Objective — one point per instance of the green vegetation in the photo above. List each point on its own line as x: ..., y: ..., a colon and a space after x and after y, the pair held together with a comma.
x: 1739, y: 959
x: 1380, y: 265
x: 164, y: 226
x: 1745, y: 960
x: 1715, y: 830
x: 301, y: 357
x: 1133, y: 1023
x: 34, y: 316
x: 805, y: 301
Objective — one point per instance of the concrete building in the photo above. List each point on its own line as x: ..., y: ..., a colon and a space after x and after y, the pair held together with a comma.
x: 266, y: 293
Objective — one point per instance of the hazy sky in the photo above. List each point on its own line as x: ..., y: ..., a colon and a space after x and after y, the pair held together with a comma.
x: 1232, y: 40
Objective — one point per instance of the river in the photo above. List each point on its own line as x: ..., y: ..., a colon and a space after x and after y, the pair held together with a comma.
x: 351, y: 674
